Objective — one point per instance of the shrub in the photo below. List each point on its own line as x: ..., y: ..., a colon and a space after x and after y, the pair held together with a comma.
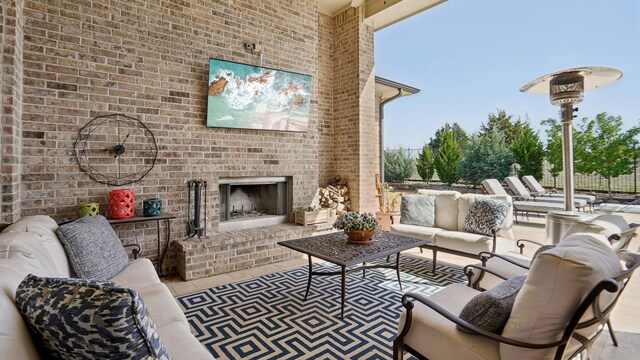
x: 486, y: 157
x: 425, y: 163
x: 528, y: 152
x: 448, y: 158
x: 398, y: 166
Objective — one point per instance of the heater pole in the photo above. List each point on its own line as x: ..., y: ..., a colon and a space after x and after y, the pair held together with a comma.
x: 567, y: 155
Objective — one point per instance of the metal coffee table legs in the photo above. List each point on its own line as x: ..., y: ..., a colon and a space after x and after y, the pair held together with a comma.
x: 343, y: 277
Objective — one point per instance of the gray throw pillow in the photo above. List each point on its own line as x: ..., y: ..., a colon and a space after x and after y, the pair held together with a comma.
x: 87, y: 319
x: 93, y: 248
x: 484, y: 215
x: 418, y: 210
x: 491, y: 309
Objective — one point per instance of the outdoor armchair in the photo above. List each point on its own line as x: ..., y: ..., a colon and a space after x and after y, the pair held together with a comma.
x: 428, y: 327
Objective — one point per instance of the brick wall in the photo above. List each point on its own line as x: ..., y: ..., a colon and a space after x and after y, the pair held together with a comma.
x: 149, y: 60
x: 11, y: 115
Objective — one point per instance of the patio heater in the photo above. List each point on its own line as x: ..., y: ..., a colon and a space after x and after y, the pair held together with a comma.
x: 566, y: 88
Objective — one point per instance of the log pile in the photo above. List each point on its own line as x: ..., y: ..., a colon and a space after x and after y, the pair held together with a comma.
x: 336, y: 195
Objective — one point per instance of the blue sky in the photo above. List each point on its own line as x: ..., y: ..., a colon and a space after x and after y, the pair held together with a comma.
x: 470, y: 58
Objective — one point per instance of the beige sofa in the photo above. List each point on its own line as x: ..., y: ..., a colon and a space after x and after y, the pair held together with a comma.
x: 30, y: 246
x: 451, y: 208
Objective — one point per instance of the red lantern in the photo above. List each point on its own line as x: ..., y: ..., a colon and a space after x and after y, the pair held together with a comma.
x: 121, y: 204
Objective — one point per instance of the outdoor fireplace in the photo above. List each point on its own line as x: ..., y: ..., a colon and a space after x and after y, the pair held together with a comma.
x: 247, y: 202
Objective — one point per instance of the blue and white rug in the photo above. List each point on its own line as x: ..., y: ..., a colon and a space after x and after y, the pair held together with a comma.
x: 267, y: 318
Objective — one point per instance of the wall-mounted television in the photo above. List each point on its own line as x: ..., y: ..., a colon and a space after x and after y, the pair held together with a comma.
x: 244, y: 96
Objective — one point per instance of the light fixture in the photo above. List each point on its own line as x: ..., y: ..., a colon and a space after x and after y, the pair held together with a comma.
x: 566, y: 88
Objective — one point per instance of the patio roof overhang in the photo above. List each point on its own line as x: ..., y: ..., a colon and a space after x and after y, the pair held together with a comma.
x: 380, y: 13
x: 389, y: 90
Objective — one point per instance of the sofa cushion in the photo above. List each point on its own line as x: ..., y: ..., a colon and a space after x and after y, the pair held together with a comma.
x: 557, y: 283
x: 178, y: 340
x: 15, y: 340
x: 485, y: 215
x: 138, y: 272
x: 466, y: 201
x: 93, y: 247
x: 490, y: 309
x: 446, y: 203
x: 87, y: 319
x: 429, y: 328
x: 471, y: 243
x: 417, y: 210
x: 420, y: 232
x: 28, y: 244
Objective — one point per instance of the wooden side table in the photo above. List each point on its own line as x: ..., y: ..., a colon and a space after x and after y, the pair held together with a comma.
x: 140, y: 219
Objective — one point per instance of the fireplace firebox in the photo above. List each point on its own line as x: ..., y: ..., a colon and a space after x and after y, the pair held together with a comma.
x: 247, y: 202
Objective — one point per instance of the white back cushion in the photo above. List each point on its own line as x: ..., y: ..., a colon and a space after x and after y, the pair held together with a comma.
x: 558, y: 281
x: 446, y: 207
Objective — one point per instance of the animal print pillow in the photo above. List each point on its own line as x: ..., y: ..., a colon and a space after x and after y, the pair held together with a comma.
x: 485, y: 215
x: 87, y: 319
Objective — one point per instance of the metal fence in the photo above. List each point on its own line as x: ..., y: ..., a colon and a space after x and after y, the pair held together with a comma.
x: 582, y: 182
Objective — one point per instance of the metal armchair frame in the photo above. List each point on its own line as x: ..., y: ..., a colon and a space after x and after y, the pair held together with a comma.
x: 601, y: 316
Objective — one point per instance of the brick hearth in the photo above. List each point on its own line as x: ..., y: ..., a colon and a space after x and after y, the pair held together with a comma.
x: 237, y: 250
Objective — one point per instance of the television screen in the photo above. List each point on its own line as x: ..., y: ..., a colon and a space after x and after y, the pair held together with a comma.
x: 254, y: 97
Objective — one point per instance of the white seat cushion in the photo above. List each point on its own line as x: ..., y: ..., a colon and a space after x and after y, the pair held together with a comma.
x: 415, y: 231
x: 503, y: 267
x: 139, y: 271
x: 180, y: 343
x: 162, y: 307
x: 557, y: 283
x: 435, y: 337
x: 471, y: 243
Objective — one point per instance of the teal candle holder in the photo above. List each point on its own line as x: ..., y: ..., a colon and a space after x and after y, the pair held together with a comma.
x: 152, y: 207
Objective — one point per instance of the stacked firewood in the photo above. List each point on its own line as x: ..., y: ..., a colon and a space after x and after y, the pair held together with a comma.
x: 335, y: 195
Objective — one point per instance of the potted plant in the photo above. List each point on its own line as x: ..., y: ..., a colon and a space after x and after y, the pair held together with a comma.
x: 311, y: 215
x: 359, y: 227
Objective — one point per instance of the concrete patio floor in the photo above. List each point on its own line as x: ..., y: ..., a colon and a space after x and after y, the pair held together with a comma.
x: 625, y: 318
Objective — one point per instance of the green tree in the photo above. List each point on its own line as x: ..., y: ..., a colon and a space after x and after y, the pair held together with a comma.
x: 528, y: 152
x: 608, y: 151
x: 553, y: 149
x: 458, y: 133
x: 425, y: 163
x: 448, y: 157
x: 486, y: 157
x: 504, y: 123
x: 398, y: 166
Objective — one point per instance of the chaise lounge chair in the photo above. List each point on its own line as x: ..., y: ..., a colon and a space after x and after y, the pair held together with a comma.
x: 493, y: 187
x: 520, y: 191
x: 539, y: 190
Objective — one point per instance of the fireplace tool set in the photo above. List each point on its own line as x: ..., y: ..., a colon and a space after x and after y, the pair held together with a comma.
x: 197, y: 215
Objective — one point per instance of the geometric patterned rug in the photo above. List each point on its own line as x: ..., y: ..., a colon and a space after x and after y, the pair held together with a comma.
x: 267, y: 318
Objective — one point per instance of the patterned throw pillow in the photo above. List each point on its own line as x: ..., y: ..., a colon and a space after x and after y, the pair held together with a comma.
x: 93, y: 247
x: 486, y: 214
x: 418, y: 210
x: 490, y: 310
x: 87, y: 319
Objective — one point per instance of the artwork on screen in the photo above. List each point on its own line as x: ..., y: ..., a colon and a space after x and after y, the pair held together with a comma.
x: 253, y: 97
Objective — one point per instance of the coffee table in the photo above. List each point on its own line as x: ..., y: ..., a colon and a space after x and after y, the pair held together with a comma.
x: 335, y: 248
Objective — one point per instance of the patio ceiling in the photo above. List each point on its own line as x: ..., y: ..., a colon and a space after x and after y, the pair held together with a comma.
x: 380, y: 13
